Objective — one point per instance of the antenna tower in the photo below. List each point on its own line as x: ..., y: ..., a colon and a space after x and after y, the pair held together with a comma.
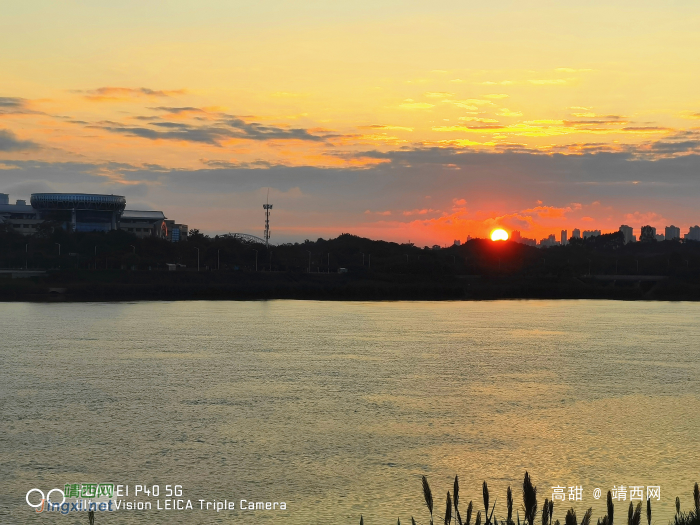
x: 267, y: 207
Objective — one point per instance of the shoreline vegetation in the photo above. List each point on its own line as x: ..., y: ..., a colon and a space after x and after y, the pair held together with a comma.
x: 117, y: 266
x: 531, y: 515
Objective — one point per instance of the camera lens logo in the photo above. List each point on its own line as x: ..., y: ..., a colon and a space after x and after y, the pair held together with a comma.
x: 45, y: 498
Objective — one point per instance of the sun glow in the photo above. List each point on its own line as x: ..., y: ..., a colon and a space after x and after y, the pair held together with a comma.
x: 499, y: 235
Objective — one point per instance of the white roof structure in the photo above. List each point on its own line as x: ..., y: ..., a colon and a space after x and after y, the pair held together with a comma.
x: 145, y: 215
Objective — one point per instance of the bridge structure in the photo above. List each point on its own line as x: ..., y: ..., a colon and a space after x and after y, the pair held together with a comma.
x: 247, y: 238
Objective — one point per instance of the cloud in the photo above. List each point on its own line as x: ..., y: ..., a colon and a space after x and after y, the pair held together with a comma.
x: 571, y: 70
x: 225, y: 164
x: 10, y: 142
x: 11, y: 102
x: 122, y: 93
x: 410, y: 104
x: 643, y: 218
x: 463, y: 105
x: 438, y: 94
x: 608, y: 122
x: 422, y: 211
x: 678, y: 144
x: 16, y: 106
x: 376, y: 126
x: 500, y: 186
x: 178, y: 110
x: 223, y: 129
x: 471, y: 104
x: 496, y: 95
x: 505, y: 112
x: 501, y: 83
x: 477, y: 119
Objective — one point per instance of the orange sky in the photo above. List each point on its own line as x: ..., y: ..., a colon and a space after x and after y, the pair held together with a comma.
x: 395, y: 120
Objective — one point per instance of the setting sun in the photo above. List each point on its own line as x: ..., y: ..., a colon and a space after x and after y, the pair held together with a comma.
x: 499, y: 235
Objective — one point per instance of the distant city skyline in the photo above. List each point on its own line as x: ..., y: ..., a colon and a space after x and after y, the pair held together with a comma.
x: 670, y: 233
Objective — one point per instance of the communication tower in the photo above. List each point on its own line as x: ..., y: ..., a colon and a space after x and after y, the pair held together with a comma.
x: 267, y: 207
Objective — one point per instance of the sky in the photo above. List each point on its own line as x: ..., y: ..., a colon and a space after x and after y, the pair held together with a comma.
x: 407, y: 121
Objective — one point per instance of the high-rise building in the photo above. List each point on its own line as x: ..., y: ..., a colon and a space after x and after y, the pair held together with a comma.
x: 549, y: 241
x: 693, y: 233
x: 627, y: 232
x: 517, y: 237
x: 457, y: 242
x: 576, y: 234
x: 564, y: 240
x: 590, y: 233
x: 672, y: 232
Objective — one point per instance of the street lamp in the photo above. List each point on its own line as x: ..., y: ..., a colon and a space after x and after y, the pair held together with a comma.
x: 307, y: 251
x: 363, y: 258
x: 218, y: 260
x: 256, y: 259
x: 26, y: 250
x: 197, y: 258
x: 59, y: 248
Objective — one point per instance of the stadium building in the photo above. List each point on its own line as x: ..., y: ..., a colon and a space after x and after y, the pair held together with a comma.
x: 85, y: 212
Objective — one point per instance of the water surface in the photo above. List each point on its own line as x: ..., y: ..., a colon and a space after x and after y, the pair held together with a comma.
x: 338, y: 408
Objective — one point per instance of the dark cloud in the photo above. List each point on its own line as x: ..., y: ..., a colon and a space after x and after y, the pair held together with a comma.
x: 11, y: 102
x: 210, y: 135
x: 176, y: 110
x: 10, y: 142
x: 589, y: 122
x: 16, y: 106
x: 510, y: 181
x: 77, y: 167
x: 219, y: 164
x: 645, y: 128
x: 175, y: 125
x: 667, y: 147
x: 214, y: 133
x: 116, y: 93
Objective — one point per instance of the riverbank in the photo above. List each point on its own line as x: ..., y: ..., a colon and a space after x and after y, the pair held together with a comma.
x: 116, y: 285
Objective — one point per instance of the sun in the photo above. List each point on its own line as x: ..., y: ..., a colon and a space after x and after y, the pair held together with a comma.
x: 499, y: 235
